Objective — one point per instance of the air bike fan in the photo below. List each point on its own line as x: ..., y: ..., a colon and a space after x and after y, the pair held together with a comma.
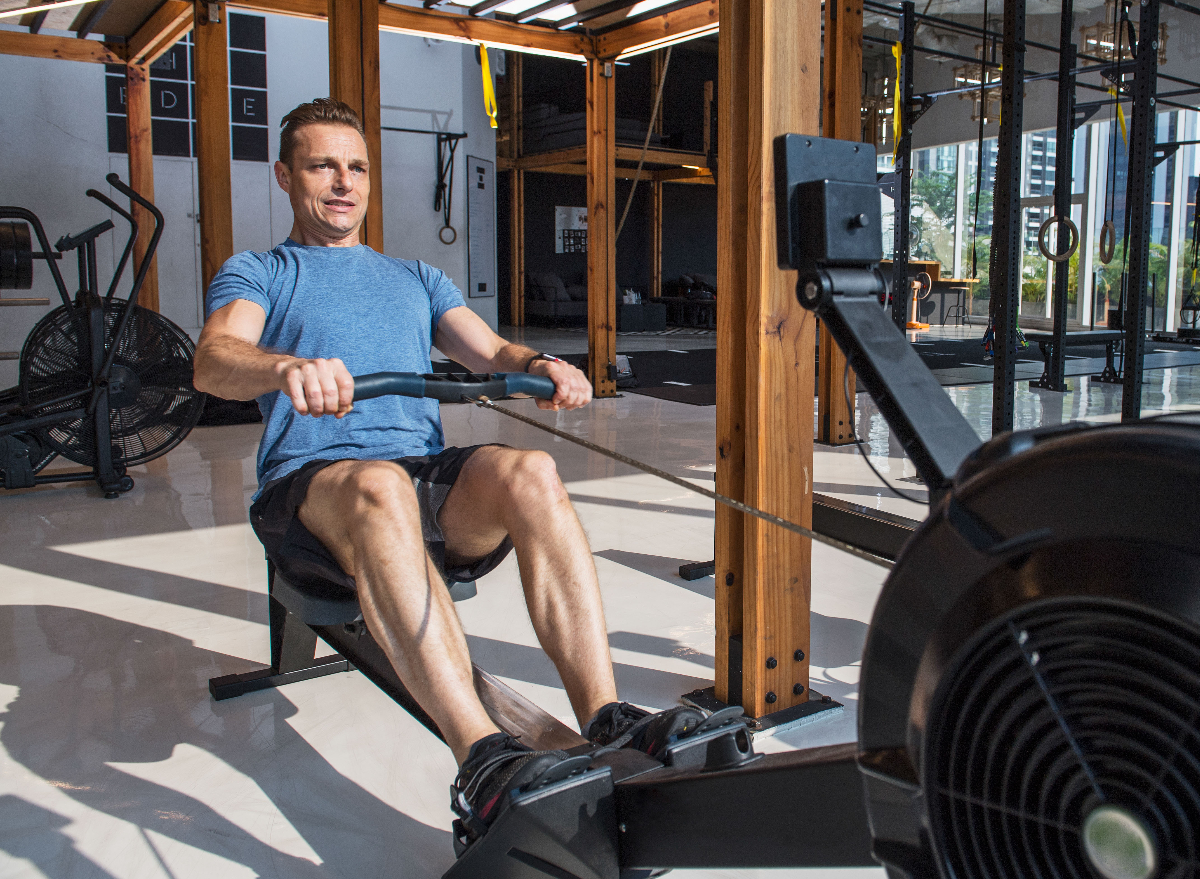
x: 102, y: 381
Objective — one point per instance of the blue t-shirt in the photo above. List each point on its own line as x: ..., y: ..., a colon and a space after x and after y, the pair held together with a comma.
x: 376, y: 313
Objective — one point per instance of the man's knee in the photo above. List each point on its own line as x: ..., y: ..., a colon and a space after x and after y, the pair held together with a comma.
x: 380, y: 486
x: 532, y: 477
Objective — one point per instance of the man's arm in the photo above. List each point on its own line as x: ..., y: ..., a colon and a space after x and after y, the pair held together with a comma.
x: 230, y: 364
x: 463, y: 336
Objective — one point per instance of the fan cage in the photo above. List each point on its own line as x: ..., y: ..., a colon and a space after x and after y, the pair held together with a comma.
x: 1051, y: 712
x: 55, y: 376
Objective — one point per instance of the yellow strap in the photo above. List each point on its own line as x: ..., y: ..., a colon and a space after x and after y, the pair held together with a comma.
x: 1112, y: 90
x: 489, y: 88
x: 896, y: 49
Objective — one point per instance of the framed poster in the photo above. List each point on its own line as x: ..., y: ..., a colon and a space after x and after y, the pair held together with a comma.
x: 570, y: 230
x: 481, y: 227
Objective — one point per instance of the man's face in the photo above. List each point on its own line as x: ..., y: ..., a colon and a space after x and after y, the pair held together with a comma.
x: 327, y: 184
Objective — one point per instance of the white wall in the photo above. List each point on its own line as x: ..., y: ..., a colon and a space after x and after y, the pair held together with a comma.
x: 54, y: 145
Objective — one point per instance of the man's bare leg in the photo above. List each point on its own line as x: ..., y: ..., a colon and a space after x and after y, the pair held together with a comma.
x: 505, y: 491
x: 366, y: 514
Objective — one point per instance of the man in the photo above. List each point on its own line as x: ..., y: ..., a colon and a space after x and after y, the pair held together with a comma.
x: 351, y: 493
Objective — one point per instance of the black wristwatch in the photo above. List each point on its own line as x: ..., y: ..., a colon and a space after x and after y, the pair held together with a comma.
x: 550, y: 357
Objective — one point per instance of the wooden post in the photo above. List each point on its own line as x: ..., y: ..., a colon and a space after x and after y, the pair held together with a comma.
x: 516, y: 204
x: 843, y: 120
x: 601, y: 240
x: 769, y: 84
x: 212, y: 138
x: 354, y: 79
x: 516, y: 208
x: 141, y: 173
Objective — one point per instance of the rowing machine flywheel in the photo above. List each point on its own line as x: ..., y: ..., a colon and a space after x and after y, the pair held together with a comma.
x: 1030, y: 701
x: 152, y: 403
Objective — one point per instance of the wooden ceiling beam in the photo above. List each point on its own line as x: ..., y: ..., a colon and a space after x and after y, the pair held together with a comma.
x: 61, y: 48
x: 497, y: 34
x: 312, y: 9
x: 697, y: 20
x: 160, y: 32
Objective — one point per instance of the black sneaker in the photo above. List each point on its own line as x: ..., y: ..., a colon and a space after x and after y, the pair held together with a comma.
x: 621, y: 725
x: 496, y: 767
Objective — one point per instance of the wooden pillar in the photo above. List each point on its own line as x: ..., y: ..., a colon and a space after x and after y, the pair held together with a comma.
x: 842, y: 119
x: 601, y: 240
x: 141, y: 173
x: 212, y: 138
x: 354, y: 79
x: 769, y: 84
x: 516, y: 208
x: 514, y: 147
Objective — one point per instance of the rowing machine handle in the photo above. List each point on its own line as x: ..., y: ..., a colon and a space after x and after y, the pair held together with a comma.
x: 452, y: 388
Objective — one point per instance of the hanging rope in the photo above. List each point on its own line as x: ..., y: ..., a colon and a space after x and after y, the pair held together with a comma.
x: 662, y: 80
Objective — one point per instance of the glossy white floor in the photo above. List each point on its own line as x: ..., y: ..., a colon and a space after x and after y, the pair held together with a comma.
x: 114, y: 761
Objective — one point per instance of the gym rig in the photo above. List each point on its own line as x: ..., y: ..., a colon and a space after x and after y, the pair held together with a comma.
x: 102, y: 382
x: 1029, y: 695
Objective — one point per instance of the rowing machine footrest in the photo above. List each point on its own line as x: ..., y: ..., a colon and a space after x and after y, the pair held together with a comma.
x: 568, y: 828
x: 724, y: 747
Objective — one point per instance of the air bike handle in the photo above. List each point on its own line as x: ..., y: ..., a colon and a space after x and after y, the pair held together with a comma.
x: 451, y: 388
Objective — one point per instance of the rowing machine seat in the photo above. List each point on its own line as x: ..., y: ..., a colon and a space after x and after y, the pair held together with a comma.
x: 333, y: 605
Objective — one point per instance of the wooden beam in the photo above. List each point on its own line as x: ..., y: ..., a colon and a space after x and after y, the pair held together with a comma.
x: 697, y: 19
x: 662, y: 157
x: 516, y: 225
x: 60, y: 48
x: 843, y: 120
x: 211, y: 56
x: 769, y: 82
x: 601, y: 238
x: 569, y: 156
x: 311, y: 9
x: 141, y: 171
x: 655, y: 222
x: 683, y: 175
x: 160, y: 32
x: 354, y: 78
x: 497, y: 34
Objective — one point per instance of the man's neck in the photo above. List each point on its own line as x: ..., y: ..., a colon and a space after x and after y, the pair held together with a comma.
x: 310, y: 238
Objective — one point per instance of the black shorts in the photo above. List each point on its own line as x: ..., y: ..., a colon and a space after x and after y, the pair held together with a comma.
x: 305, y: 562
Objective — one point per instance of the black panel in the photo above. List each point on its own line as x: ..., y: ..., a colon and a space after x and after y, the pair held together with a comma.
x: 169, y: 100
x: 249, y: 143
x: 172, y: 65
x: 170, y: 137
x: 248, y: 106
x: 118, y: 137
x: 114, y: 93
x: 247, y: 32
x: 248, y: 68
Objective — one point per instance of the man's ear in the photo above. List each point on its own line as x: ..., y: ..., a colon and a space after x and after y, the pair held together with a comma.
x: 283, y: 176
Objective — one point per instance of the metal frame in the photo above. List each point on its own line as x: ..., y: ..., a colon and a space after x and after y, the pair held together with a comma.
x: 1139, y: 185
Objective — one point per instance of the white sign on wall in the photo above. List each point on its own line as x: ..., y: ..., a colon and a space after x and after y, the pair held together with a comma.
x: 570, y: 230
x: 481, y: 228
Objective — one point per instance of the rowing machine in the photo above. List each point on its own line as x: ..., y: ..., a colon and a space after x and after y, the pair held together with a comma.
x: 1029, y: 692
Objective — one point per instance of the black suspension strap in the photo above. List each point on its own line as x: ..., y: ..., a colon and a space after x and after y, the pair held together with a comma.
x: 485, y: 403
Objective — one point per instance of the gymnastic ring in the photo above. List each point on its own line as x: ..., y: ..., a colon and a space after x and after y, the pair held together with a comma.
x: 1108, y: 232
x: 442, y: 235
x: 1071, y: 227
x: 925, y: 287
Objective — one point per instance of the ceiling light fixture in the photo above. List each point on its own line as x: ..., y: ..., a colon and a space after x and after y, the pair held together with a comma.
x: 41, y: 7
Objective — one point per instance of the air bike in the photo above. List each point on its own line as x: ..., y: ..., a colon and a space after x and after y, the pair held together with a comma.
x: 1030, y: 699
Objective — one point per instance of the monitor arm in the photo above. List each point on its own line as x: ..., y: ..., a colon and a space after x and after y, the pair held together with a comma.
x: 828, y: 222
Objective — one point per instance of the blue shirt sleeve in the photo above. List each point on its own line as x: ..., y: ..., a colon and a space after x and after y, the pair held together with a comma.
x: 443, y: 295
x: 244, y: 276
